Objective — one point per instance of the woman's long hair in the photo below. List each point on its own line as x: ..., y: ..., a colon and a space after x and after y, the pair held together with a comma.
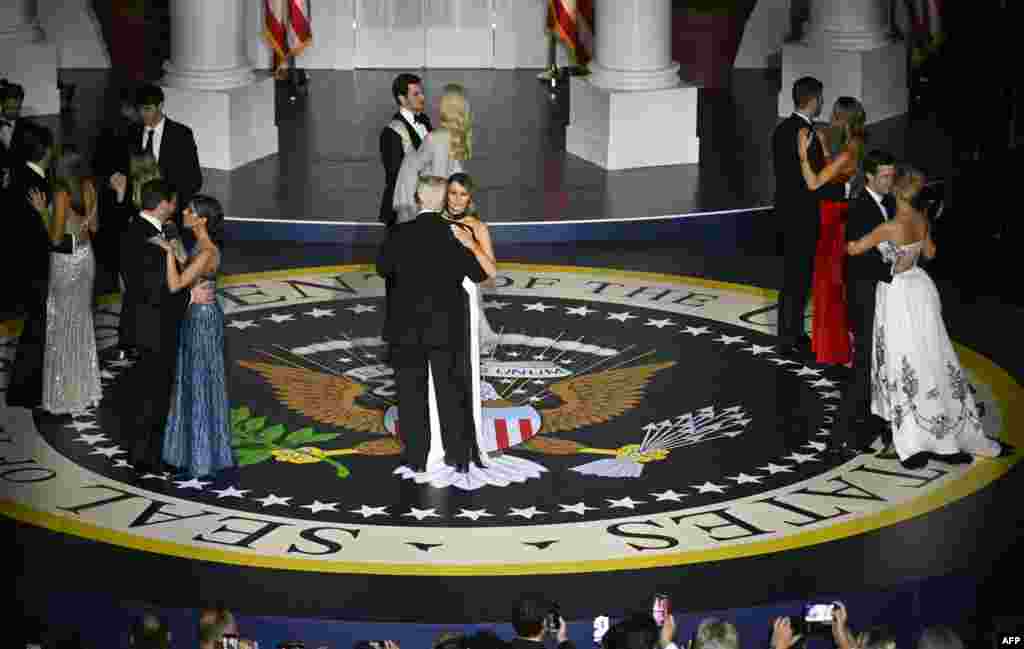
x: 457, y: 118
x: 69, y: 174
x: 209, y: 208
x: 908, y: 185
x: 466, y: 181
x: 142, y: 168
x: 850, y: 114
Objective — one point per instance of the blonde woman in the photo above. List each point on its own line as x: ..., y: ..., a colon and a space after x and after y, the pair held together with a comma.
x: 917, y: 383
x: 443, y: 152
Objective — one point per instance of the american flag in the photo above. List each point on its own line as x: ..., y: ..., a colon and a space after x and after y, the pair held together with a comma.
x: 573, y: 22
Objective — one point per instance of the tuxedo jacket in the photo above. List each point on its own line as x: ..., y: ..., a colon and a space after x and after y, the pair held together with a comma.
x: 30, y: 232
x: 425, y: 265
x: 157, y: 310
x: 793, y: 200
x: 178, y: 159
x: 397, y: 138
x: 864, y: 216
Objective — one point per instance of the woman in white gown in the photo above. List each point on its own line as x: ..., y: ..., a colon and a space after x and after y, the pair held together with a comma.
x: 918, y: 385
x: 71, y: 373
x: 443, y: 152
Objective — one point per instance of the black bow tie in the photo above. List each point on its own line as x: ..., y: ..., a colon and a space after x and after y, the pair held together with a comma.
x: 421, y: 119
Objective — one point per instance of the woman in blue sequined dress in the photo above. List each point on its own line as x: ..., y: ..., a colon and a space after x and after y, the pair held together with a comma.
x: 198, y: 435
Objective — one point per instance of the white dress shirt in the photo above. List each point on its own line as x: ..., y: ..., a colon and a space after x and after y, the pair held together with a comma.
x: 36, y: 168
x: 878, y: 199
x: 158, y: 137
x: 410, y: 117
x: 155, y: 222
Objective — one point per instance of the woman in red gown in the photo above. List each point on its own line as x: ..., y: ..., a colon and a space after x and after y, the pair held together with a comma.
x: 830, y: 332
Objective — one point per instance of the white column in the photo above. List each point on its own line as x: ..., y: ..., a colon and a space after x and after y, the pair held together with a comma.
x: 210, y: 84
x: 28, y: 58
x: 634, y: 51
x: 632, y: 110
x: 848, y: 45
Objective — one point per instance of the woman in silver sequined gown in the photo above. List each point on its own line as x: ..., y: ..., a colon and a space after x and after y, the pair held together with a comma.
x: 198, y: 434
x: 71, y: 373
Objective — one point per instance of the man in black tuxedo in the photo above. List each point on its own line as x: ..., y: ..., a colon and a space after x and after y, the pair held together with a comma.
x: 427, y: 321
x: 158, y: 312
x: 856, y: 427
x: 798, y: 207
x: 31, y: 235
x: 170, y: 142
x: 529, y: 624
x: 12, y: 96
x: 403, y: 134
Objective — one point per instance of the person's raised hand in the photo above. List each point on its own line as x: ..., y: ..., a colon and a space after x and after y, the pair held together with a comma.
x: 668, y: 631
x: 782, y: 634
x: 840, y: 629
x: 563, y: 631
x: 37, y: 199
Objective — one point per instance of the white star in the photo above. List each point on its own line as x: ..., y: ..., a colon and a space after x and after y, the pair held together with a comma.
x: 122, y: 464
x: 346, y: 359
x: 362, y: 308
x: 800, y: 458
x: 513, y: 354
x: 783, y: 361
x: 817, y: 446
x: 566, y: 361
x: 540, y: 357
x: 621, y: 317
x: 79, y: 426
x: 757, y: 350
x: 696, y: 331
x: 659, y: 323
x: 537, y: 306
x: 494, y: 304
x: 537, y: 382
x: 519, y: 391
x: 474, y: 514
x: 668, y: 495
x: 535, y: 399
x: 366, y: 511
x: 242, y: 324
x: 104, y: 374
x: 743, y: 478
x: 579, y: 310
x: 109, y: 451
x: 121, y: 363
x: 709, y: 486
x: 91, y: 439
x: 806, y: 371
x: 278, y: 318
x: 728, y: 340
x: 834, y: 394
x: 578, y: 508
x: 320, y: 313
x: 273, y: 500
x: 194, y: 483
x: 153, y: 476
x: 824, y: 432
x: 317, y: 506
x: 230, y: 492
x: 831, y: 407
x: 823, y: 383
x: 527, y: 513
x: 420, y: 514
x: 626, y: 503
x: 775, y: 468
x: 507, y: 381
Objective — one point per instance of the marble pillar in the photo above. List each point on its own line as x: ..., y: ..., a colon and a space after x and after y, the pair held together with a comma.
x: 848, y: 45
x: 210, y: 85
x: 632, y: 111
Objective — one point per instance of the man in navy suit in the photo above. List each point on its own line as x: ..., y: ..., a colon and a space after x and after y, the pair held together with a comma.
x: 425, y: 262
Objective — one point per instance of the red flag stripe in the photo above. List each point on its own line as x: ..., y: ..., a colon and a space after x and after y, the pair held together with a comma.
x: 300, y: 25
x: 274, y: 29
x: 501, y: 433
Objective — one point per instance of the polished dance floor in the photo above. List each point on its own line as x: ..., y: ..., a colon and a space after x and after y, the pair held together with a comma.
x: 646, y: 433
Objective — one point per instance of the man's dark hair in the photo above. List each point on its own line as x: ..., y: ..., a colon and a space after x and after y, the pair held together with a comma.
x: 155, y: 192
x: 10, y: 90
x: 149, y: 95
x: 638, y: 631
x: 805, y: 89
x: 877, y: 158
x: 400, y: 86
x: 33, y: 142
x: 528, y: 619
